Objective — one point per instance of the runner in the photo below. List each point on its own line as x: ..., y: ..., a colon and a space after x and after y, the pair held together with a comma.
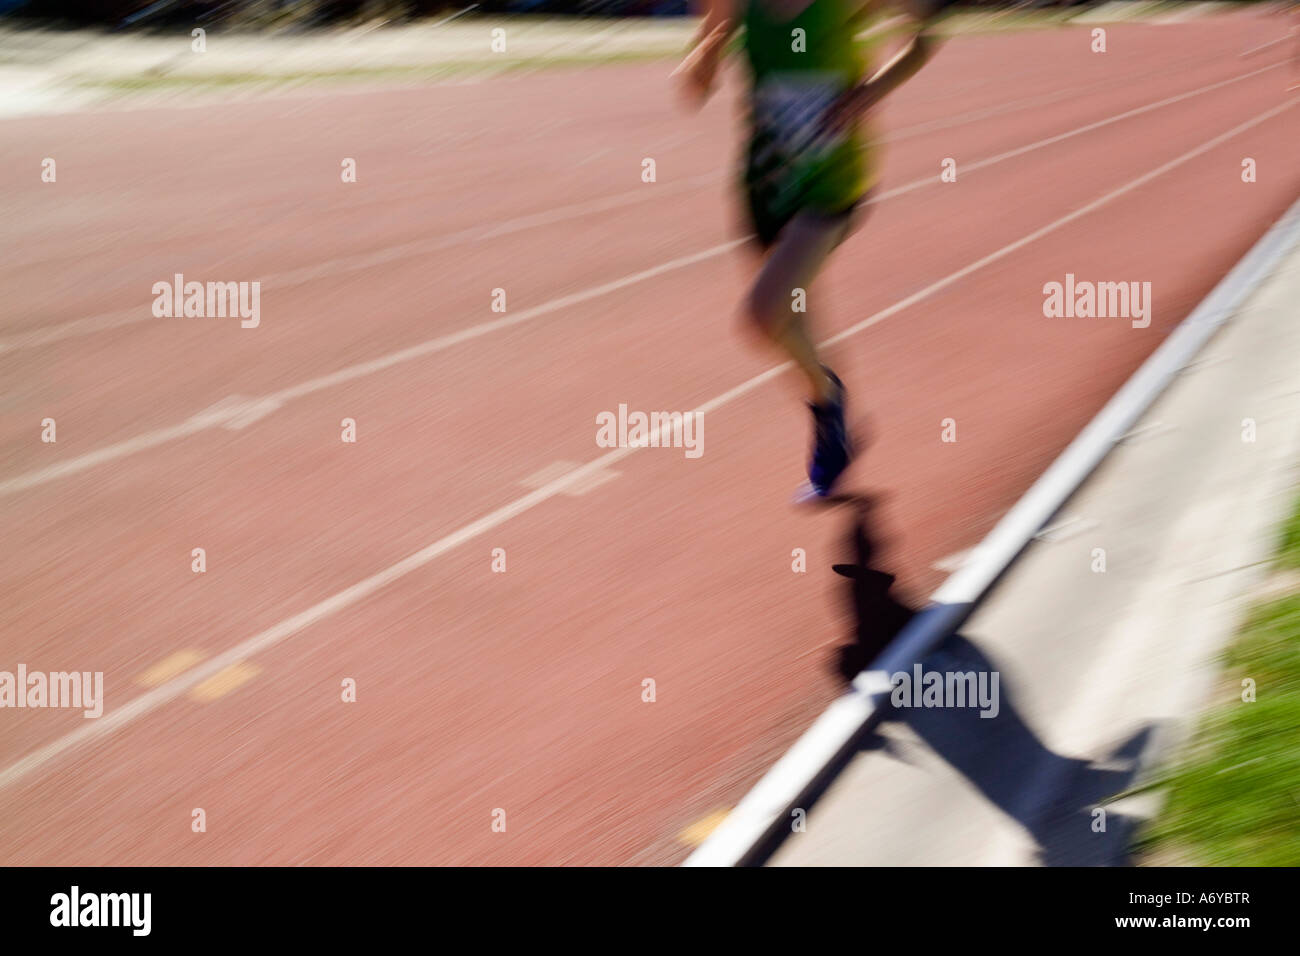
x: 808, y: 165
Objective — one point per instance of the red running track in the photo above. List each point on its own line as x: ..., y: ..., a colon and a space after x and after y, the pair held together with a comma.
x: 522, y: 691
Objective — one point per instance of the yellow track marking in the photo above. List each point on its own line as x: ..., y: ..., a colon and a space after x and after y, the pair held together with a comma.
x: 699, y: 831
x: 169, y: 667
x: 223, y: 682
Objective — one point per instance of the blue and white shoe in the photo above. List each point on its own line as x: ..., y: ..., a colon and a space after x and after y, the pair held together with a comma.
x: 832, y: 447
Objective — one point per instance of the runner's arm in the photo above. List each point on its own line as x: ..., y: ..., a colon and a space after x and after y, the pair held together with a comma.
x: 698, y: 70
x: 906, y: 63
x: 902, y: 66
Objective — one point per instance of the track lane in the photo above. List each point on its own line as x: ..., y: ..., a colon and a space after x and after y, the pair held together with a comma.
x: 600, y: 564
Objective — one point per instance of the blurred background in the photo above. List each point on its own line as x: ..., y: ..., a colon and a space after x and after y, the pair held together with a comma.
x: 258, y: 13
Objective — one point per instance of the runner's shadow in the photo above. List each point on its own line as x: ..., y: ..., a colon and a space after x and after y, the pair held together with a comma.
x: 878, y: 615
x: 1053, y: 797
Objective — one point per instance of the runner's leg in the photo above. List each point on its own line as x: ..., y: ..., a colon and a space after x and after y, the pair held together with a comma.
x: 793, y: 262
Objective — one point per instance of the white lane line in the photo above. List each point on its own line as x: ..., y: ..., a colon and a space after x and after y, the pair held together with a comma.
x: 103, y: 455
x: 1264, y: 46
x: 353, y: 263
x: 556, y: 469
x: 1040, y: 99
x: 844, y: 714
x: 1076, y: 214
x: 476, y: 331
x: 1069, y: 134
x: 236, y: 411
x: 360, y: 261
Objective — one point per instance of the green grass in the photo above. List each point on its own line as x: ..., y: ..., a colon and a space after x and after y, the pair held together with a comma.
x: 1235, y: 798
x: 1290, y: 554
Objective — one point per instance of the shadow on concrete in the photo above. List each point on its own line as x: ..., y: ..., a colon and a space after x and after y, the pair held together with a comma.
x: 1053, y: 797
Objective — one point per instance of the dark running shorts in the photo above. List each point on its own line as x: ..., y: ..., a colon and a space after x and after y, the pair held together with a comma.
x: 767, y: 225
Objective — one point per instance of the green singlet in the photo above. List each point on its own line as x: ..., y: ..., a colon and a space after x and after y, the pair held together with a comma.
x: 799, y: 68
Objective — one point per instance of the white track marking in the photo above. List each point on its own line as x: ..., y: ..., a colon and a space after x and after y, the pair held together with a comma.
x: 1015, y: 106
x: 108, y: 453
x: 232, y: 413
x: 557, y: 469
x: 464, y: 335
x: 353, y: 263
x: 361, y: 261
x: 1264, y: 46
x: 1068, y: 218
x: 66, y: 330
x: 1069, y: 134
x: 838, y: 723
x: 237, y: 412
